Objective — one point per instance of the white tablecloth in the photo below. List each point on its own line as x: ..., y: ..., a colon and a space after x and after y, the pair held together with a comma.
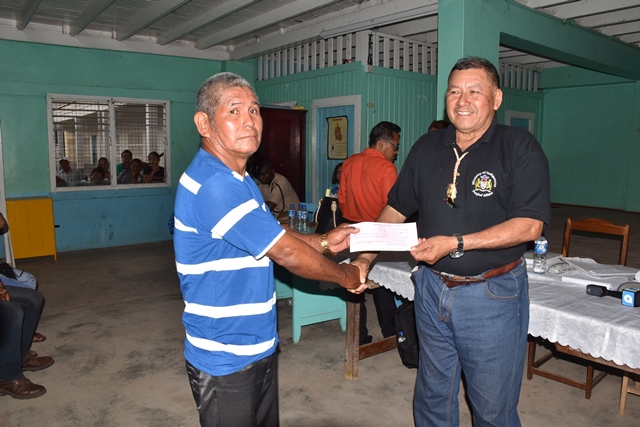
x: 560, y: 312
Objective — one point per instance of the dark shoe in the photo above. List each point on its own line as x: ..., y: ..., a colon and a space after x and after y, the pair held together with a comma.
x: 367, y: 340
x: 34, y: 363
x: 21, y: 388
x: 38, y: 337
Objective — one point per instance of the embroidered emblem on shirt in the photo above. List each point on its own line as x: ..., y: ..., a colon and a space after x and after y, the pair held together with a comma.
x: 483, y: 184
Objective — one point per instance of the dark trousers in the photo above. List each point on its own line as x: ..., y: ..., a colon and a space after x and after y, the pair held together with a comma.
x: 247, y: 398
x: 384, y: 300
x: 19, y: 318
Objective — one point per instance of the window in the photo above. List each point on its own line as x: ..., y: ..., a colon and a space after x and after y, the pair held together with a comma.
x: 521, y: 119
x: 88, y: 136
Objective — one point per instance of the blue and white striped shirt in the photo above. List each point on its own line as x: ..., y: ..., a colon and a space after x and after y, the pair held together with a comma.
x: 223, y: 229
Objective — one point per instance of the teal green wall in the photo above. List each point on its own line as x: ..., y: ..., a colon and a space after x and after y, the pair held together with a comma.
x: 99, y: 218
x: 562, y: 77
x: 528, y: 102
x: 590, y: 138
x: 402, y: 97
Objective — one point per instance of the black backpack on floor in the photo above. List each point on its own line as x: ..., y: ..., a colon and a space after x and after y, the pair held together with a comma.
x: 406, y: 335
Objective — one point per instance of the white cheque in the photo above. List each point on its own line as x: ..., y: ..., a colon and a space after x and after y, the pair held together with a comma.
x: 379, y: 236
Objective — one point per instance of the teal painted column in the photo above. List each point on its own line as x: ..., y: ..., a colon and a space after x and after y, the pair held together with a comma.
x: 465, y: 28
x: 633, y: 182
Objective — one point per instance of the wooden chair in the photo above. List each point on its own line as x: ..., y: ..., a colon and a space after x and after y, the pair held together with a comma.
x: 597, y: 227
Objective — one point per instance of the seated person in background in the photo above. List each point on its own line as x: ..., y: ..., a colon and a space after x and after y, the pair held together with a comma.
x: 103, y: 163
x: 335, y: 180
x: 153, y: 172
x: 132, y: 175
x: 438, y: 124
x: 97, y: 175
x: 276, y: 190
x: 126, y: 157
x: 20, y: 310
x: 96, y: 178
x: 66, y: 175
x: 11, y: 276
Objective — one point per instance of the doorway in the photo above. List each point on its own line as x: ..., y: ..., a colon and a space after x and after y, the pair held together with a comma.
x: 321, y: 165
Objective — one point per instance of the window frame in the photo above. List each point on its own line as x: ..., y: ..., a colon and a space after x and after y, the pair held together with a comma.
x: 521, y: 115
x: 114, y: 156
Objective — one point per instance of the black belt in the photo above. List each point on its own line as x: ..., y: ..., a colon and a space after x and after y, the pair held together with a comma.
x: 451, y: 280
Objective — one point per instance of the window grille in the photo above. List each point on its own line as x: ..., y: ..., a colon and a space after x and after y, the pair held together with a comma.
x: 84, y: 131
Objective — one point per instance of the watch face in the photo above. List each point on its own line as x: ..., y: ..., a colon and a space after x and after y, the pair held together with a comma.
x: 456, y: 254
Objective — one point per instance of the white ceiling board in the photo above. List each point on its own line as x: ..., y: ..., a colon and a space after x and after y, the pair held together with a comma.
x: 241, y: 29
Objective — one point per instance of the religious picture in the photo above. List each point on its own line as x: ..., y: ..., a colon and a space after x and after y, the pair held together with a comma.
x: 337, y: 141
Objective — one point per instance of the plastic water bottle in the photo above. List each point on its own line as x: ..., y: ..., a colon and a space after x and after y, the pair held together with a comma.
x: 303, y: 220
x: 292, y: 216
x: 401, y: 337
x: 540, y: 255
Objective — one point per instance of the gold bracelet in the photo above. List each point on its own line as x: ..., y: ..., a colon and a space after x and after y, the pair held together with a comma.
x: 325, y: 246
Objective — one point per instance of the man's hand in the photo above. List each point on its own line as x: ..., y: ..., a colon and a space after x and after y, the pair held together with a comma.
x: 4, y: 293
x: 354, y: 283
x: 433, y: 249
x: 338, y: 238
x: 363, y: 265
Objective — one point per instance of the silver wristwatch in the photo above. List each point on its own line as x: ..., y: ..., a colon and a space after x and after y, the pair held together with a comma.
x: 460, y: 249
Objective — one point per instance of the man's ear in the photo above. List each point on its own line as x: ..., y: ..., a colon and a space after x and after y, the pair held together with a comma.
x: 497, y: 99
x: 201, y: 120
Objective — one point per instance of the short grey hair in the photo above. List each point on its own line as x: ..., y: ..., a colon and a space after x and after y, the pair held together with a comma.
x: 211, y: 91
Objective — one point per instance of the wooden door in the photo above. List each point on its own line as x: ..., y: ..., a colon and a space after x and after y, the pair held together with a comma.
x: 283, y: 141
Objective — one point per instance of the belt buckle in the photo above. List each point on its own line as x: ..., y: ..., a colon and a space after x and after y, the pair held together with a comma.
x: 447, y: 275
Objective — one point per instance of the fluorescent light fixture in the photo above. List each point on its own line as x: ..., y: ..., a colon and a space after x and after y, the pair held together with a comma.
x: 419, y: 12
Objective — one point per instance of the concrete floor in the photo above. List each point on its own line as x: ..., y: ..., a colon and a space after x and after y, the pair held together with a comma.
x: 112, y: 319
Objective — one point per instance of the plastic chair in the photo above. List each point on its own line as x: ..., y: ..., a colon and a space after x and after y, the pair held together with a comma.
x: 598, y: 227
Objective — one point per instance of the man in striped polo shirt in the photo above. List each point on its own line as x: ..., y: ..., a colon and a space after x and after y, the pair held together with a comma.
x: 225, y: 243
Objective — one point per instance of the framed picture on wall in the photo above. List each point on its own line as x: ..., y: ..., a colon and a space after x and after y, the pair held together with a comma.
x: 337, y: 137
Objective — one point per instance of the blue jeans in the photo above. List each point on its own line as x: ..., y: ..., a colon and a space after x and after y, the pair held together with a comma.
x: 479, y: 330
x: 19, y: 318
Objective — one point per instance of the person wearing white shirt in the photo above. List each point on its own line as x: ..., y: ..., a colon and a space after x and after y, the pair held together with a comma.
x: 66, y: 175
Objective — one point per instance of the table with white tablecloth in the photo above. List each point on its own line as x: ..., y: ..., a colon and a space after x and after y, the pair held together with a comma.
x: 559, y: 311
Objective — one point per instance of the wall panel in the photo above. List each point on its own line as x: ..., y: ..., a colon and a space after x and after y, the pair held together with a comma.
x: 100, y: 218
x: 401, y: 97
x: 528, y: 102
x: 588, y: 137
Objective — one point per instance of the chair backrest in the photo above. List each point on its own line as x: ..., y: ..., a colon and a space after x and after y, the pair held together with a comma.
x: 599, y: 226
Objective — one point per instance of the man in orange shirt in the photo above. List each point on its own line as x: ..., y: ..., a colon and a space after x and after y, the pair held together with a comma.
x: 366, y: 180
